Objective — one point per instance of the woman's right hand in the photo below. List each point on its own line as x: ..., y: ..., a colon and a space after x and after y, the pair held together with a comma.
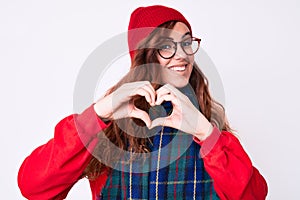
x: 118, y: 104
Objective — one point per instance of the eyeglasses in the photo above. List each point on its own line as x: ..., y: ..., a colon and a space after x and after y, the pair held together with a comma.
x: 168, y: 48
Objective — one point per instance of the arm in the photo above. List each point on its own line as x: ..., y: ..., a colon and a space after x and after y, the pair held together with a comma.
x: 230, y: 167
x: 51, y: 170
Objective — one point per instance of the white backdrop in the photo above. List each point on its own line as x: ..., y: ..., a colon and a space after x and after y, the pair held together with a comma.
x: 254, y: 45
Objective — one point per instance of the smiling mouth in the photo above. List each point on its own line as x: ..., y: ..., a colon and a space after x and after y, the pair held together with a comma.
x: 178, y: 68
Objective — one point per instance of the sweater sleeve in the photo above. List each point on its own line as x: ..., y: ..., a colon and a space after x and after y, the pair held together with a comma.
x: 51, y: 170
x: 231, y: 168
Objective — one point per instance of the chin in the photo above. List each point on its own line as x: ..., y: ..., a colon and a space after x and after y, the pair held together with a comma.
x: 179, y: 82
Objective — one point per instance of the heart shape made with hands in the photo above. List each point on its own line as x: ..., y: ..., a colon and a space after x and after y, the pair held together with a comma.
x: 145, y: 106
x: 181, y: 109
x: 156, y: 114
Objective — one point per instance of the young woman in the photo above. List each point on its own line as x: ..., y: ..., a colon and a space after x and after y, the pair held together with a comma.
x: 156, y: 134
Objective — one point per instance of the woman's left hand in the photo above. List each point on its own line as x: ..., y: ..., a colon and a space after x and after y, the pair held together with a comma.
x: 185, y: 116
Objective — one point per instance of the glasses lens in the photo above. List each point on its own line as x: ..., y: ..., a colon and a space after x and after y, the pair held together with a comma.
x: 167, y: 49
x: 190, y: 46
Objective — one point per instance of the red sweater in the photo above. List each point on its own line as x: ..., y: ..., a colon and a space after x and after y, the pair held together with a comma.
x: 51, y: 170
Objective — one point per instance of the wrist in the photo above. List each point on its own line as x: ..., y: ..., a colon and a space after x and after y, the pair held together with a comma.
x: 205, y: 130
x: 102, y: 109
x: 208, y: 130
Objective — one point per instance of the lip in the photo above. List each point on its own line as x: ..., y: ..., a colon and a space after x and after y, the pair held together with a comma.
x: 178, y: 67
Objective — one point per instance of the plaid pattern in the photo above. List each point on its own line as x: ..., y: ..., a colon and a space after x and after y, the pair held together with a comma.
x: 184, y: 178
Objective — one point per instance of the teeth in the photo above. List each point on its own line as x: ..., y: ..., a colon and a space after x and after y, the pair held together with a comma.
x: 178, y: 68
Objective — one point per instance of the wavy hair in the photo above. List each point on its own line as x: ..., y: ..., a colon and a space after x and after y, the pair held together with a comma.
x: 145, y: 67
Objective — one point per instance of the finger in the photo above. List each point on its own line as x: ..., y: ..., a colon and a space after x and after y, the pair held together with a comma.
x: 161, y: 121
x: 135, y: 86
x: 161, y: 92
x: 175, y: 91
x: 167, y: 97
x: 172, y: 89
x: 144, y: 93
x: 148, y: 87
x: 140, y: 114
x: 148, y: 84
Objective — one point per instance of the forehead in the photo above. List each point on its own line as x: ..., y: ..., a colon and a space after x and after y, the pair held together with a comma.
x: 181, y: 28
x: 178, y: 31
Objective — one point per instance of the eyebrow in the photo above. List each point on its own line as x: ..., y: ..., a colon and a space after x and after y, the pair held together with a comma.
x: 187, y: 33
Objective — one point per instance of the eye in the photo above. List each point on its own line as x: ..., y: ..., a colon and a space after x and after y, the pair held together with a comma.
x: 186, y: 43
x: 165, y: 46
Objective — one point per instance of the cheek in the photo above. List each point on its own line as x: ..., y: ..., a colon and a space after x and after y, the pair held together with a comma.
x: 162, y: 61
x: 191, y: 59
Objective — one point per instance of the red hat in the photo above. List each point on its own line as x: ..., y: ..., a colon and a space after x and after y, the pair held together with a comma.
x: 149, y: 18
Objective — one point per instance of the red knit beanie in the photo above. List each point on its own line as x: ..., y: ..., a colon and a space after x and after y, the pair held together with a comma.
x: 149, y: 18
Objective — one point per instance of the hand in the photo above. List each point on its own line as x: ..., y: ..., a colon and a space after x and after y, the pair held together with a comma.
x: 118, y: 104
x: 185, y: 116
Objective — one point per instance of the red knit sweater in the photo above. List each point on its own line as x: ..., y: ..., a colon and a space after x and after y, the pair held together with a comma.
x: 51, y: 170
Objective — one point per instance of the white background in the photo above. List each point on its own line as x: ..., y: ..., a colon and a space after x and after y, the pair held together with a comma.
x: 254, y: 45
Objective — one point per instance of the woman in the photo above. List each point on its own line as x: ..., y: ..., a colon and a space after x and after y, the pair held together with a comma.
x: 142, y: 140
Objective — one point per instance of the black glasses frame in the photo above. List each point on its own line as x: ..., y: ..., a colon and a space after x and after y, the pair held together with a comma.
x: 175, y: 45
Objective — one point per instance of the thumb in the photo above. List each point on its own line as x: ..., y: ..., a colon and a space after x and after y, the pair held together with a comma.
x: 161, y: 121
x: 140, y: 114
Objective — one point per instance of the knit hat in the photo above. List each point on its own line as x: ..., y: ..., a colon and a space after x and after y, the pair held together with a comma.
x: 148, y: 18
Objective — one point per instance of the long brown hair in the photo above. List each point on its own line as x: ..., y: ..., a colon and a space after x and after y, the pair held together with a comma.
x: 146, y: 60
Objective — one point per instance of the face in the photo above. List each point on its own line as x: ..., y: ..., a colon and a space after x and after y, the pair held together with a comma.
x: 178, y: 69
